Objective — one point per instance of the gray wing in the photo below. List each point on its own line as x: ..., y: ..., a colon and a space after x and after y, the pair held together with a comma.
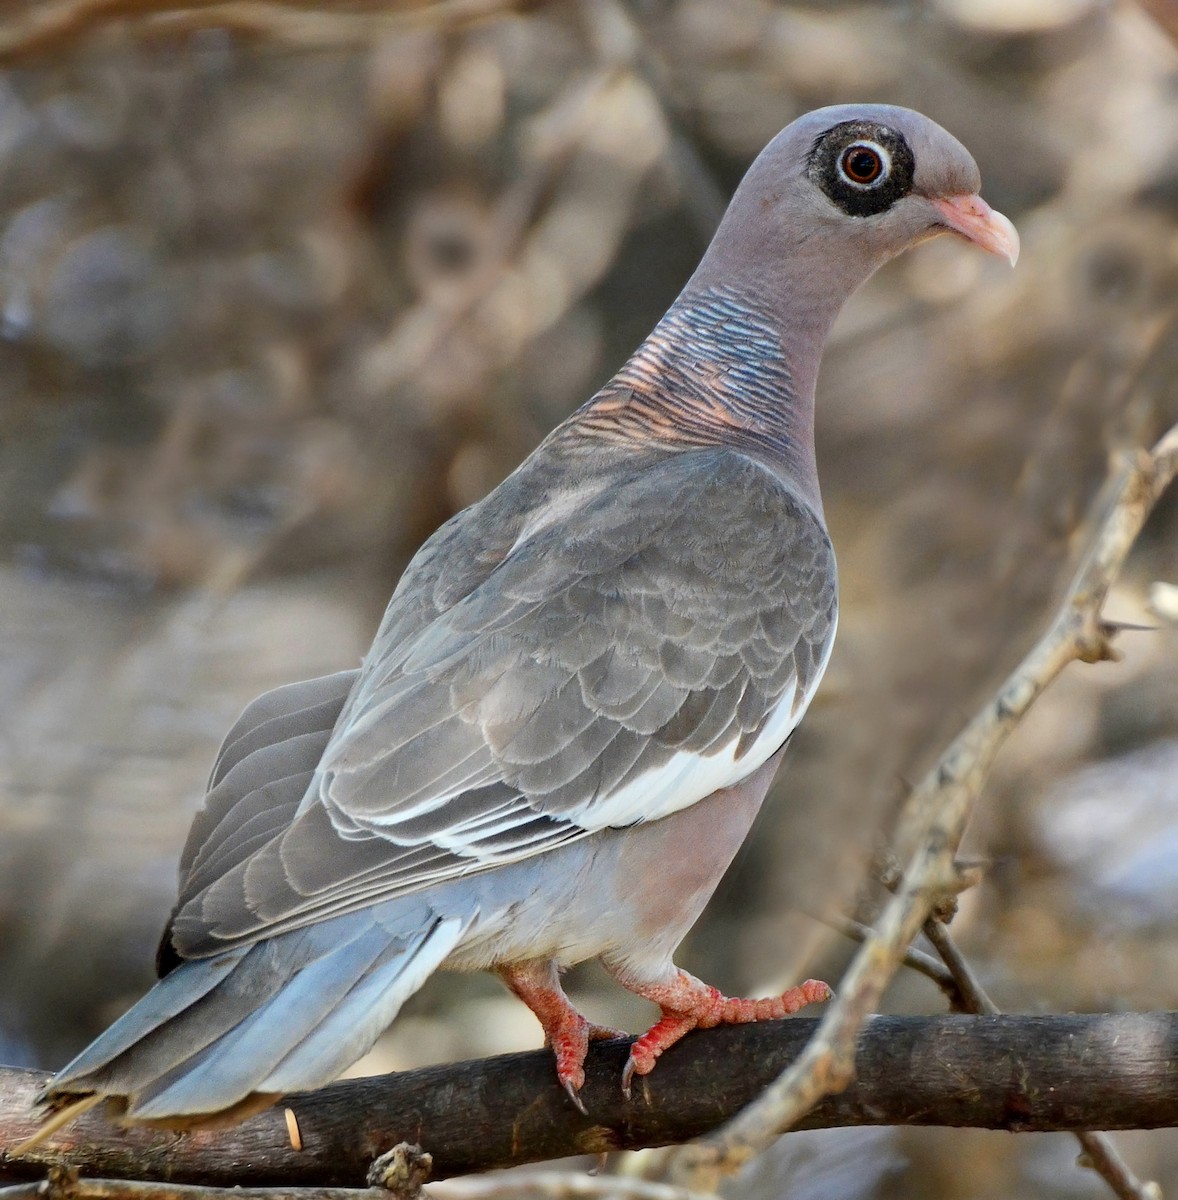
x: 262, y: 772
x: 613, y: 666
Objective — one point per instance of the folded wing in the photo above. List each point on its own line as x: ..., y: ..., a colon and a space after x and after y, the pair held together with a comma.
x: 610, y: 667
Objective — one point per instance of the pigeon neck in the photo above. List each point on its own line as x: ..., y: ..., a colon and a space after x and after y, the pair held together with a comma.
x: 717, y: 370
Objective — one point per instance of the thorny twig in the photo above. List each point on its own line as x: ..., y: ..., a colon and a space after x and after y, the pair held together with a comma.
x: 1098, y: 1149
x: 933, y: 821
x: 917, y: 960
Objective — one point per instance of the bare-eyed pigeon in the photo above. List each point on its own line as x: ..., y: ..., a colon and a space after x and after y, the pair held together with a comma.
x: 577, y: 698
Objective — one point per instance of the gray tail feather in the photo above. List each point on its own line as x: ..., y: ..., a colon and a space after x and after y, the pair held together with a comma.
x: 286, y: 1014
x: 165, y: 1001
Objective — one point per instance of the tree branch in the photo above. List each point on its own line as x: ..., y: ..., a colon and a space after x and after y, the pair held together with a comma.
x: 1098, y: 1149
x: 40, y: 27
x: 1112, y: 1071
x: 74, y: 1188
x: 932, y: 824
x: 917, y: 960
x: 530, y: 1185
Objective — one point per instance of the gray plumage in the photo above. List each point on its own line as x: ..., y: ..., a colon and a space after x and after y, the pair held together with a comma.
x: 495, y: 723
x: 577, y: 697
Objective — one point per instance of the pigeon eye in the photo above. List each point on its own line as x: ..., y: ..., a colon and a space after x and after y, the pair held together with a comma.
x: 862, y: 167
x: 864, y: 164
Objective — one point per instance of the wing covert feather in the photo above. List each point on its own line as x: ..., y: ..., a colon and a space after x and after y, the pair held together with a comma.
x: 602, y: 671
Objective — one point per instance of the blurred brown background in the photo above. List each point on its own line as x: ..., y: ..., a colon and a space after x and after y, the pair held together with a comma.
x: 275, y: 301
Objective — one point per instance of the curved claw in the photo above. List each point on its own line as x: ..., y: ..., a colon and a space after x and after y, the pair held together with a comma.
x: 628, y: 1076
x: 575, y: 1097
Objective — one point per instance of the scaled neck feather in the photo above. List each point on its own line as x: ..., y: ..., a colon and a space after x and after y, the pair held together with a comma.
x: 714, y: 372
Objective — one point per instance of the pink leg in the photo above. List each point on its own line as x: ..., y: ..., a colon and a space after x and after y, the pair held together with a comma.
x: 537, y: 984
x: 688, y: 1004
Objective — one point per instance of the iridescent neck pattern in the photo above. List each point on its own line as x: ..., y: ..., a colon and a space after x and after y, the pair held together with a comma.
x: 713, y: 372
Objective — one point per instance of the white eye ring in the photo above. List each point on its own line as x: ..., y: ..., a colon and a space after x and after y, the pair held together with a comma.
x: 885, y: 163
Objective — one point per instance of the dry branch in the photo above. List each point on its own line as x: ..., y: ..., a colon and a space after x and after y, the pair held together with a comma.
x: 534, y: 1185
x: 933, y: 822
x: 41, y: 27
x: 1008, y: 1072
x: 75, y: 1188
x: 1099, y: 1150
x: 917, y: 960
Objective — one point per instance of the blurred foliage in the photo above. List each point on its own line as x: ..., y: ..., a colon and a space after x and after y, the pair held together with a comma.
x: 275, y: 302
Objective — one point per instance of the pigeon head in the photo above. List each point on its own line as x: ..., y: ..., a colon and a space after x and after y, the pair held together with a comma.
x: 839, y: 192
x: 888, y: 178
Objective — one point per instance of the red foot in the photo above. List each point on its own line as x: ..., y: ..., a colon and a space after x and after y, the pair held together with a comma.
x: 565, y: 1030
x: 688, y: 1004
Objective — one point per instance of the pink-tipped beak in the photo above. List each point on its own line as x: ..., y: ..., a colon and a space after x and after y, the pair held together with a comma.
x: 973, y: 218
